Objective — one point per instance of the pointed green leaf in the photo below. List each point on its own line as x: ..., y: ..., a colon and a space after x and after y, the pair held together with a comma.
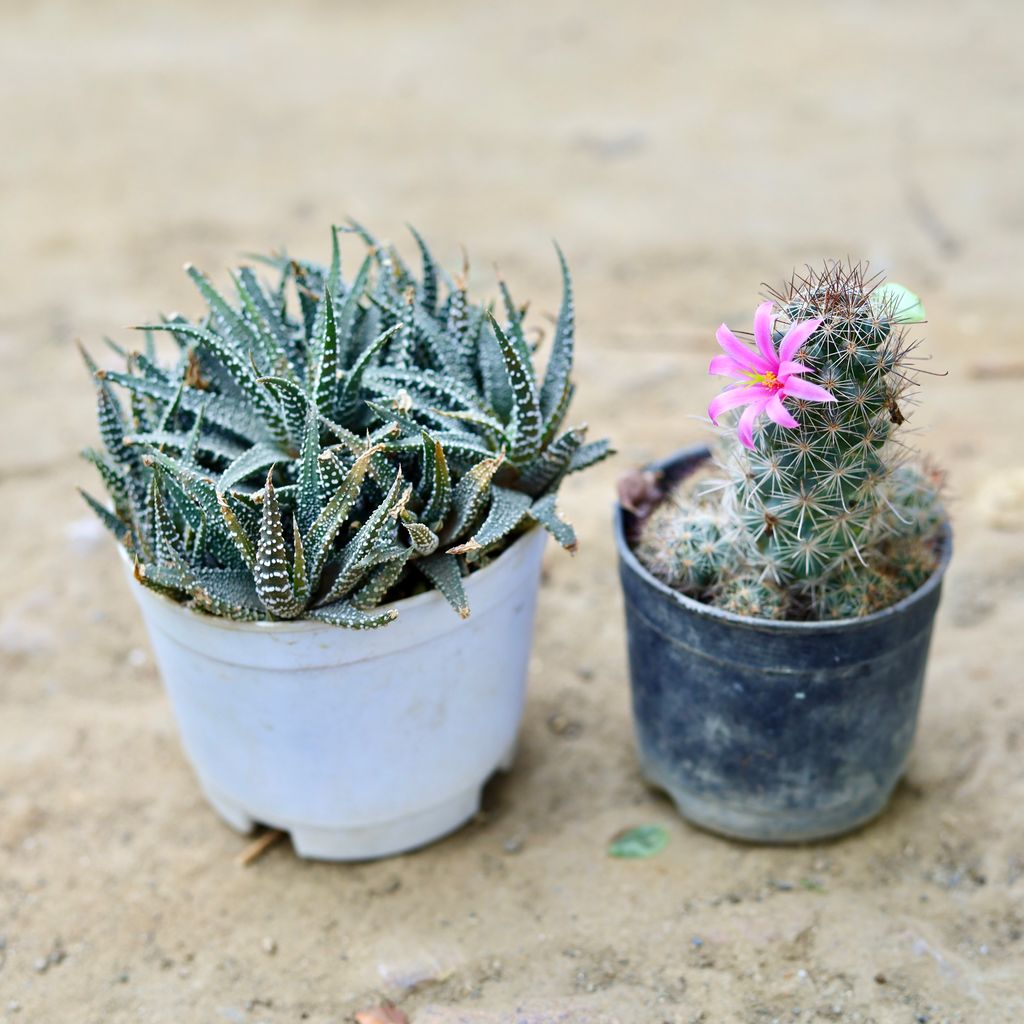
x: 559, y: 368
x: 120, y: 530
x: 321, y: 534
x: 514, y: 329
x: 241, y: 537
x: 444, y: 573
x: 353, y: 378
x: 325, y: 365
x: 437, y: 478
x: 164, y: 580
x: 342, y: 613
x: 424, y: 540
x: 219, y: 409
x: 545, y: 512
x: 309, y: 475
x: 274, y: 334
x: 255, y: 460
x: 273, y: 565
x: 469, y: 497
x: 428, y: 287
x: 507, y: 511
x: 344, y: 577
x: 525, y: 424
x: 300, y: 579
x: 589, y: 454
x: 377, y: 523
x: 237, y: 367
x: 383, y: 578
x: 235, y: 329
x: 348, y: 314
x: 546, y: 471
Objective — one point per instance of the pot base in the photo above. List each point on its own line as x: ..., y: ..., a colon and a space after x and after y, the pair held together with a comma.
x: 361, y: 842
x: 778, y: 828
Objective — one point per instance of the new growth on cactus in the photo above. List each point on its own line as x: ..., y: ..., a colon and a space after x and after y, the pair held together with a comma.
x: 320, y: 446
x: 818, y: 510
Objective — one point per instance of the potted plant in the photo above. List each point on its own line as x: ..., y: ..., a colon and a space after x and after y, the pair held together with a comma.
x: 780, y: 592
x: 319, y: 457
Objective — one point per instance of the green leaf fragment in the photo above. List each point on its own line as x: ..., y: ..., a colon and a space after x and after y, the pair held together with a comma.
x: 898, y: 302
x: 638, y: 843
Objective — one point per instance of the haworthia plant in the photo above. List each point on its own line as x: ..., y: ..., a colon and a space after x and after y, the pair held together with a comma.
x: 818, y: 510
x: 319, y: 447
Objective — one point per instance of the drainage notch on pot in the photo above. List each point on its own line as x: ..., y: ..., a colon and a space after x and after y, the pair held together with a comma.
x: 771, y: 731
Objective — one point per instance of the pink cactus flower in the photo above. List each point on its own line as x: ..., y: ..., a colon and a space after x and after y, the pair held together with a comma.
x: 765, y: 377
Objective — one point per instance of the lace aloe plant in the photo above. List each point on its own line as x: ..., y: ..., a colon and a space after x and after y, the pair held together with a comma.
x: 820, y: 510
x: 320, y: 446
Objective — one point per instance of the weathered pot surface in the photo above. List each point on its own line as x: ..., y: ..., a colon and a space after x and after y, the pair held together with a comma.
x: 360, y: 744
x: 772, y: 731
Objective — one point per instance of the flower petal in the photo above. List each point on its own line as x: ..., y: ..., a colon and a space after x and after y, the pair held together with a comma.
x: 796, y: 387
x: 732, y: 398
x: 726, y: 366
x: 777, y: 412
x: 745, y: 430
x: 740, y: 352
x: 791, y: 367
x: 763, y: 332
x: 795, y: 337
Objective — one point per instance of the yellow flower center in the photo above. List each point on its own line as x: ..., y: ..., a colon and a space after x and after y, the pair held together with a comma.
x: 766, y: 380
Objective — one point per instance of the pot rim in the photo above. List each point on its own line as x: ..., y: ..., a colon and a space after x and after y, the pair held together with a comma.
x: 304, y: 625
x: 629, y: 560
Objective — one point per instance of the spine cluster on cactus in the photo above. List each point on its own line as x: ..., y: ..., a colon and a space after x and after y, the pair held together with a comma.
x: 318, y: 445
x: 832, y: 517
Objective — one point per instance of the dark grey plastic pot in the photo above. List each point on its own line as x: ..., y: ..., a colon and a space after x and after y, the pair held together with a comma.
x: 771, y: 731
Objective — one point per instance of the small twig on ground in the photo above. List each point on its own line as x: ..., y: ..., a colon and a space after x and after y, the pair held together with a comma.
x: 258, y: 847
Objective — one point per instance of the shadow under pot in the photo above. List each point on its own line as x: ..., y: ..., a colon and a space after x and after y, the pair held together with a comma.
x: 771, y: 731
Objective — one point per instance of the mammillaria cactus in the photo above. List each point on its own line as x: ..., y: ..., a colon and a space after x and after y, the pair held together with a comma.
x: 321, y: 446
x: 819, y: 509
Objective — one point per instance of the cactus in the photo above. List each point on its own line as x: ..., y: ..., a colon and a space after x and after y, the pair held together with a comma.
x: 320, y: 447
x: 823, y: 502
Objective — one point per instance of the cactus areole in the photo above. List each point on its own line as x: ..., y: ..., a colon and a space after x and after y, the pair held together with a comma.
x: 320, y: 446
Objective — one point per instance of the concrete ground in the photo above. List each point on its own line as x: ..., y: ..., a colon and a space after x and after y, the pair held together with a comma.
x: 682, y: 153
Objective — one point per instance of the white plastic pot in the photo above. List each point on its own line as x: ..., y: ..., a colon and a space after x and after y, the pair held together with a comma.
x: 359, y: 743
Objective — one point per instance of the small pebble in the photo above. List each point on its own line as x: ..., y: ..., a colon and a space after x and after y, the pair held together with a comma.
x: 562, y: 725
x: 269, y: 946
x: 514, y: 845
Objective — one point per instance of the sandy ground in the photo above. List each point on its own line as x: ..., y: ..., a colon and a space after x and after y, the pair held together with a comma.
x: 682, y: 153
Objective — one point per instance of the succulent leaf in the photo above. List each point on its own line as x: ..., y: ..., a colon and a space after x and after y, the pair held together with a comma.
x: 544, y: 511
x: 559, y: 369
x: 274, y: 582
x: 507, y: 511
x: 445, y: 574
